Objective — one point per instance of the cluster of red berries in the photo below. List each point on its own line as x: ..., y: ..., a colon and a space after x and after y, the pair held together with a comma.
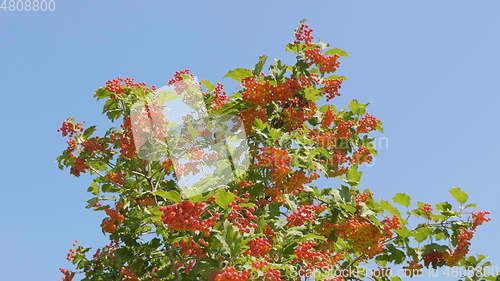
x: 344, y: 129
x: 284, y: 93
x: 304, y: 213
x: 260, y: 264
x: 272, y: 274
x: 278, y: 160
x: 245, y: 184
x: 295, y: 117
x: 297, y: 180
x: 125, y: 139
x: 72, y: 252
x: 69, y: 127
x: 303, y: 34
x: 187, y: 266
x: 117, y: 177
x: 363, y: 197
x: 311, y: 259
x: 110, y: 224
x: 191, y: 249
x: 328, y: 118
x: 187, y: 216
x: 451, y: 258
x: 68, y: 275
x: 147, y: 201
x: 274, y: 193
x: 116, y: 85
x: 390, y: 224
x: 180, y: 76
x: 242, y: 217
x: 261, y: 93
x: 308, y: 80
x: 325, y: 139
x: 108, y: 250
x: 339, y: 158
x: 220, y: 97
x: 256, y: 92
x: 435, y: 258
x: 364, y: 236
x: 249, y: 116
x: 89, y: 148
x: 148, y: 121
x: 362, y: 155
x: 230, y: 274
x: 259, y: 246
x: 462, y: 249
x: 189, y: 167
x: 128, y: 275
x: 93, y: 145
x: 326, y: 63
x: 367, y: 123
x: 79, y: 167
x: 478, y: 218
x: 427, y: 209
x: 168, y: 166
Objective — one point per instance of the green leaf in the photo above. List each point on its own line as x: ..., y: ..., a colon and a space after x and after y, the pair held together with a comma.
x: 171, y: 195
x: 275, y: 134
x: 345, y: 193
x: 97, y: 165
x: 443, y: 207
x: 471, y: 205
x: 390, y: 208
x: 353, y: 175
x: 92, y: 202
x: 441, y: 234
x: 357, y: 108
x: 335, y: 77
x: 277, y: 70
x: 208, y: 85
x: 459, y: 195
x: 403, y: 232
x: 336, y: 51
x: 402, y: 199
x: 109, y: 188
x: 224, y: 197
x: 94, y: 188
x: 291, y: 204
x: 312, y: 94
x: 89, y: 131
x: 259, y: 65
x: 312, y: 236
x: 259, y: 124
x: 395, y: 255
x: 102, y: 93
x: 422, y: 233
x: 365, y: 211
x: 239, y: 73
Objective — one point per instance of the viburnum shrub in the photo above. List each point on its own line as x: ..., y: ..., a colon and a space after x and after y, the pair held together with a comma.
x: 276, y: 221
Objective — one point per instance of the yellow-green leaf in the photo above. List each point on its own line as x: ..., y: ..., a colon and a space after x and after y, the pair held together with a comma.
x: 459, y: 195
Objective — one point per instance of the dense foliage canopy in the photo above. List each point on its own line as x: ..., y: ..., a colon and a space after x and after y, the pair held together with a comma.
x: 299, y: 210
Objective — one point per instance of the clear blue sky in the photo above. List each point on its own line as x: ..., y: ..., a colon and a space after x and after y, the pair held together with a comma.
x: 430, y: 68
